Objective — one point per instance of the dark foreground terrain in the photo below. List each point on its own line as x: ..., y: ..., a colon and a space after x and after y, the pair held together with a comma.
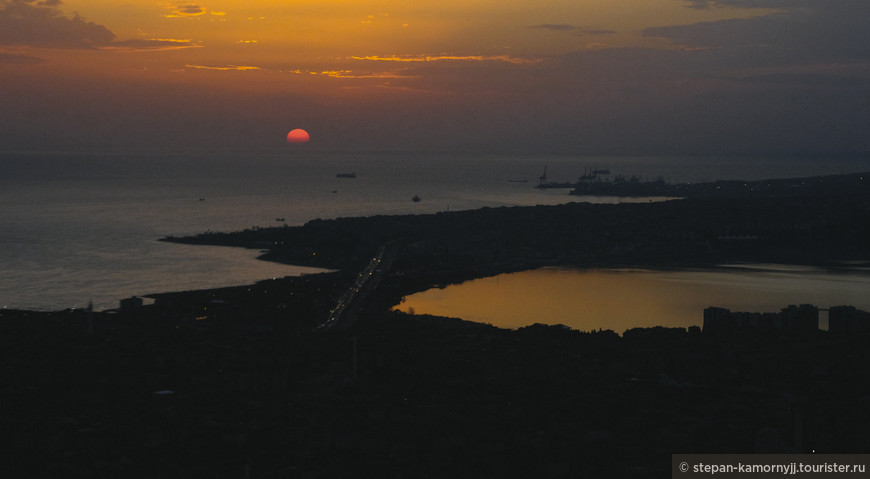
x: 257, y: 381
x: 403, y: 396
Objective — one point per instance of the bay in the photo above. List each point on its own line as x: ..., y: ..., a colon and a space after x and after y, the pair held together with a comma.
x: 79, y: 226
x: 620, y: 299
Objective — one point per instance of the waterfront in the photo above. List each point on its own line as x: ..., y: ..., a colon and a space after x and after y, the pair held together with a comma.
x: 621, y: 299
x: 80, y: 226
x: 383, y: 391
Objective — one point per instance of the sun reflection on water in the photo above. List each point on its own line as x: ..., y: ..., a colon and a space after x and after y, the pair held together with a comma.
x: 624, y: 299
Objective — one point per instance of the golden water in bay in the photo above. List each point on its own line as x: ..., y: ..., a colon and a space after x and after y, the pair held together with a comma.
x: 624, y: 299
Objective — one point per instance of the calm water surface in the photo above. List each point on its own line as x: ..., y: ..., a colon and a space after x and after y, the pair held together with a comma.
x: 623, y: 299
x: 82, y: 226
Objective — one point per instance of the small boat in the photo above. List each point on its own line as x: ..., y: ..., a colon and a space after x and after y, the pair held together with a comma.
x: 543, y: 178
x: 416, y: 199
x: 346, y: 175
x: 279, y: 219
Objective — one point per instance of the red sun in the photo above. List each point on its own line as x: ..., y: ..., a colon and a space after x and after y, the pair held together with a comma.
x: 298, y: 136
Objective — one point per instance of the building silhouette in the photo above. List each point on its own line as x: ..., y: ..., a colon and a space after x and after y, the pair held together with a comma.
x: 803, y: 318
x: 848, y: 320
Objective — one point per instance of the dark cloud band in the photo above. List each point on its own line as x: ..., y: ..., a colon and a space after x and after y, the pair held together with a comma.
x: 41, y: 24
x: 559, y: 27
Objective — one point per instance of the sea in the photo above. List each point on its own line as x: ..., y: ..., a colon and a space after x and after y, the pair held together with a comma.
x: 80, y: 227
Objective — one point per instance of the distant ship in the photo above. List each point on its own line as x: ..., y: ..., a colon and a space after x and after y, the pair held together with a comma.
x: 416, y: 199
x: 542, y: 180
x: 587, y: 175
x: 346, y: 175
x: 544, y: 183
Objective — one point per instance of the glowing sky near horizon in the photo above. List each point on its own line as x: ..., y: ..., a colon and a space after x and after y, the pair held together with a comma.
x: 579, y: 74
x: 340, y: 35
x: 344, y: 28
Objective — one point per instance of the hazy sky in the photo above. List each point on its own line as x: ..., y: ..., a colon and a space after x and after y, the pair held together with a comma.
x: 584, y: 76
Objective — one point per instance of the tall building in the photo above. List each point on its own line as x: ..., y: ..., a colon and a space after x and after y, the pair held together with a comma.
x: 848, y: 320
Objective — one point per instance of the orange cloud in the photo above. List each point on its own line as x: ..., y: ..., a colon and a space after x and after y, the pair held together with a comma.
x: 151, y: 44
x: 435, y: 58
x: 223, y: 68
x: 191, y: 10
x: 186, y: 11
x: 350, y: 74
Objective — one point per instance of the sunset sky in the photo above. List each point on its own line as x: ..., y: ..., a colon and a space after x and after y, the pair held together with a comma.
x: 583, y: 76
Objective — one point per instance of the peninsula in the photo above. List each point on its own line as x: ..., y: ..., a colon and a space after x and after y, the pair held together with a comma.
x: 315, y: 376
x: 822, y: 221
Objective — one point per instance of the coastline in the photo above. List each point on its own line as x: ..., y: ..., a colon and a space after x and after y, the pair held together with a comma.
x: 240, y: 380
x: 827, y: 185
x: 799, y: 225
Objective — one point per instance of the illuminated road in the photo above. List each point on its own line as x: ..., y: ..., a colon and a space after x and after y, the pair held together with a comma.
x: 343, y: 313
